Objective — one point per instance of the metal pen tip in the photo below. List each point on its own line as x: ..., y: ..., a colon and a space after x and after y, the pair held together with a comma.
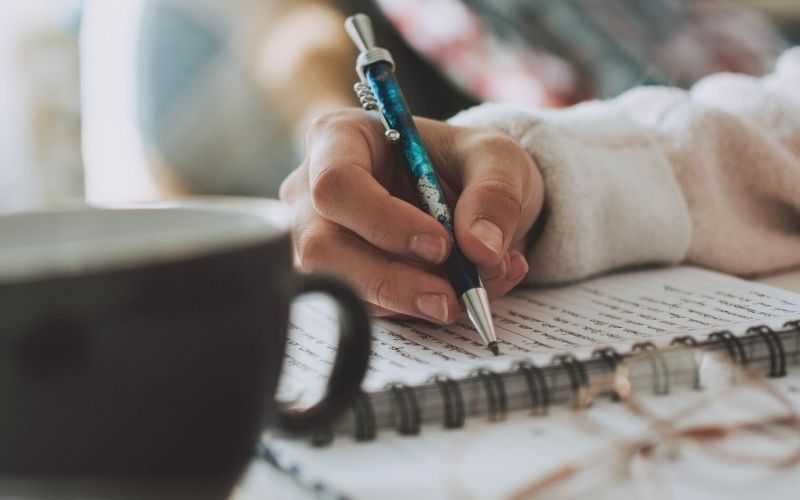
x: 476, y: 301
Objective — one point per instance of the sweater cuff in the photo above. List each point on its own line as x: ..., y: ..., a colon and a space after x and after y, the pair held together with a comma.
x: 612, y: 197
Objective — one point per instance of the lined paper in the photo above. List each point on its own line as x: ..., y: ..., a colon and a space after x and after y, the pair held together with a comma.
x: 651, y: 305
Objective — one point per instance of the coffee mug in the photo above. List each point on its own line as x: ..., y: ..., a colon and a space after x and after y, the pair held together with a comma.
x: 148, y: 341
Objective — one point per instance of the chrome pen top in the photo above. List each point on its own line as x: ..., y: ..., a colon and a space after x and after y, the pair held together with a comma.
x: 359, y: 27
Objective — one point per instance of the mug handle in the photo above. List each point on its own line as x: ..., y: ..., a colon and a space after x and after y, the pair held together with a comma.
x: 352, y: 356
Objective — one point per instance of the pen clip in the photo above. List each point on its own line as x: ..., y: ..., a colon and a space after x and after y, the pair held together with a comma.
x: 370, y: 103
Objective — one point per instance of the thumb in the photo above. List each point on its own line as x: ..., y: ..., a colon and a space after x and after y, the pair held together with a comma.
x: 494, y: 199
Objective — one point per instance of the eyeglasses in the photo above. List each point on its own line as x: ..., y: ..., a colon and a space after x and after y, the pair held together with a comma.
x: 686, y: 406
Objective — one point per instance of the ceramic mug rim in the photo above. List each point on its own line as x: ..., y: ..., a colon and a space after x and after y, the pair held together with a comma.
x: 181, y: 228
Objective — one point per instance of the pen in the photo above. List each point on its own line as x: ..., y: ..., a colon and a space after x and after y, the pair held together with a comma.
x: 378, y: 89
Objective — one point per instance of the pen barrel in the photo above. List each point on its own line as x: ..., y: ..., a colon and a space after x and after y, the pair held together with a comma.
x: 381, y: 79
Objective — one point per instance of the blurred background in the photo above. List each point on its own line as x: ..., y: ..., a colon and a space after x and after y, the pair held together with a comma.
x: 142, y: 99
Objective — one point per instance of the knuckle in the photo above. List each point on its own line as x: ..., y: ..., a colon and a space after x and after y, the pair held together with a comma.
x: 289, y: 186
x: 379, y: 232
x: 283, y: 190
x: 377, y: 311
x: 380, y: 289
x: 311, y: 249
x: 512, y: 160
x: 505, y: 196
x: 324, y: 123
x: 495, y: 141
x: 326, y: 188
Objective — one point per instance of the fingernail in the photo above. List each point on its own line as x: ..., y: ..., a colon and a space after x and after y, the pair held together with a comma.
x: 517, y: 268
x: 428, y: 247
x: 432, y: 305
x: 488, y: 233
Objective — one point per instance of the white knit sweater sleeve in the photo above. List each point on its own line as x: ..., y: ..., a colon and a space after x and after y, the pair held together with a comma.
x: 661, y: 175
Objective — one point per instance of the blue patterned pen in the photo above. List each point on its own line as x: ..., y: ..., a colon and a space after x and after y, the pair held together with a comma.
x: 378, y: 89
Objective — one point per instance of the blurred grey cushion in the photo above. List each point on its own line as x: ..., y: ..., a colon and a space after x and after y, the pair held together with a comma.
x: 198, y: 106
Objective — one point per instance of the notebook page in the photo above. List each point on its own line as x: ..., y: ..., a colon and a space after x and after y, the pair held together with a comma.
x: 621, y: 309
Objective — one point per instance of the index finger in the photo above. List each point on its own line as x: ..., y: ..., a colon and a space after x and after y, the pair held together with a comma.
x: 346, y: 152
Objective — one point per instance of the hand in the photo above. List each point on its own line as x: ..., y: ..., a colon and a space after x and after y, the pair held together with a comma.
x: 356, y: 214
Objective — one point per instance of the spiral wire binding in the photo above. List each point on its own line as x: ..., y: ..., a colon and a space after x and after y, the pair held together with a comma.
x: 611, y: 357
x: 659, y: 365
x: 691, y: 342
x: 777, y: 354
x: 537, y: 386
x: 781, y: 372
x: 453, y: 402
x: 410, y: 418
x: 576, y: 372
x: 406, y: 411
x: 364, y: 417
x: 795, y: 325
x: 495, y: 390
x: 732, y: 344
x: 792, y: 324
x: 684, y: 340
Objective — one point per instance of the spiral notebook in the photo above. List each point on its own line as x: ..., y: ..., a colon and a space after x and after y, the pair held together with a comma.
x: 427, y: 383
x: 552, y: 340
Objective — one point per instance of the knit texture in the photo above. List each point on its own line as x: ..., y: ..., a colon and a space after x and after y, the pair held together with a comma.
x: 709, y: 176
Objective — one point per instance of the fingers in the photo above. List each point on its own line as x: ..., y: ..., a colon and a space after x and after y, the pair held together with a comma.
x: 353, y: 199
x: 386, y: 283
x: 497, y: 203
x: 389, y: 284
x: 505, y: 276
x: 352, y: 217
x: 345, y: 157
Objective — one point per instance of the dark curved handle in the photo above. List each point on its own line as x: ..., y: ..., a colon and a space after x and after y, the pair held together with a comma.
x: 352, y: 356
